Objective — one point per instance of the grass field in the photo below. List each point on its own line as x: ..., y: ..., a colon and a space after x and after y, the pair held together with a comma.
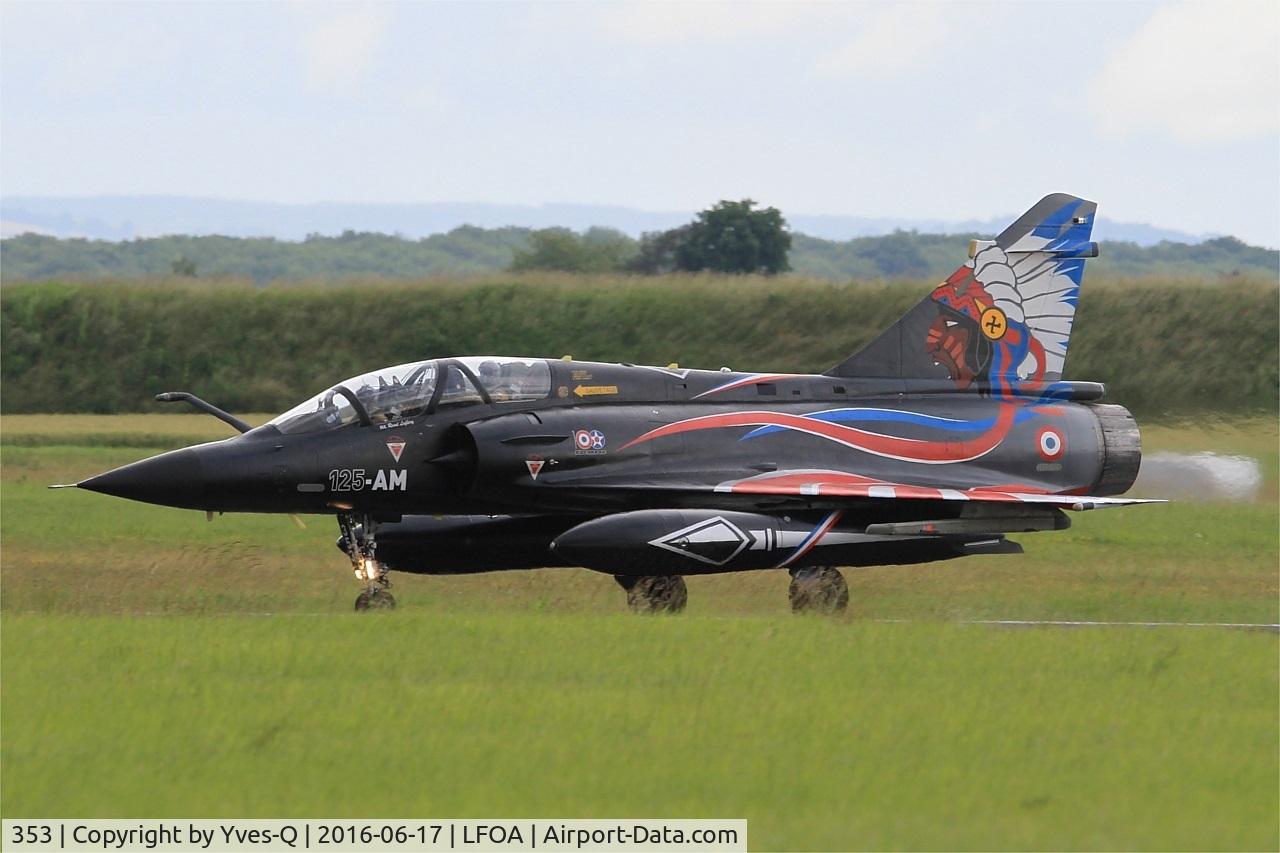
x: 155, y: 664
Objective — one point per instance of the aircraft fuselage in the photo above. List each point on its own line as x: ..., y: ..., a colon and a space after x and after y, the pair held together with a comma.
x: 604, y: 425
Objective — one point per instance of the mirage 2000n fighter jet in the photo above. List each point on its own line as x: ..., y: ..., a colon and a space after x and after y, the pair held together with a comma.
x: 947, y: 432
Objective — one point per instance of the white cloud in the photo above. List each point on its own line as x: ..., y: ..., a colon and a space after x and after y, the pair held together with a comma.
x: 872, y: 39
x: 678, y: 23
x: 338, y: 51
x: 1197, y: 71
x: 894, y: 39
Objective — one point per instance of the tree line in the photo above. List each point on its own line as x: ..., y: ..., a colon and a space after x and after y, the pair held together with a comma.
x: 729, y: 237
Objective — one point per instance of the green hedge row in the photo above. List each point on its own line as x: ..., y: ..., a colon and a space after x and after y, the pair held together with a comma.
x: 1172, y: 347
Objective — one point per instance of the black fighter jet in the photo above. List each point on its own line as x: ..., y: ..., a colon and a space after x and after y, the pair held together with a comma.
x: 950, y: 430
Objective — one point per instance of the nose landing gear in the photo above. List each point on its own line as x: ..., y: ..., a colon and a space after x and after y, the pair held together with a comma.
x: 360, y: 542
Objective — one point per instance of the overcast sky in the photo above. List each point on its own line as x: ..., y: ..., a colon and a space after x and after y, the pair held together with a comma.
x: 1167, y: 113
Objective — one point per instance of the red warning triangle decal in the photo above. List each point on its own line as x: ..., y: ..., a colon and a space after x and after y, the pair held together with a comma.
x: 396, y: 448
x: 534, y: 466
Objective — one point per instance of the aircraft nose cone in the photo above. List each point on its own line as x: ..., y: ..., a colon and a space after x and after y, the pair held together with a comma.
x: 170, y: 479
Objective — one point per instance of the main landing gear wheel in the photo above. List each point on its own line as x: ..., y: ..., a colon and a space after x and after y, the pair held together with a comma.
x: 375, y: 598
x: 820, y: 589
x: 655, y: 593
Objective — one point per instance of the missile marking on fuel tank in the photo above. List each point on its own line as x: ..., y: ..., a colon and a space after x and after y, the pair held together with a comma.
x: 714, y: 541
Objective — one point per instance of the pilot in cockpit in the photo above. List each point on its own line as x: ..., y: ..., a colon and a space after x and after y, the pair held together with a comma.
x: 491, y: 379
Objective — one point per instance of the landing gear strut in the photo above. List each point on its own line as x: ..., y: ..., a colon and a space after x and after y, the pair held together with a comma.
x: 358, y: 534
x: 654, y: 593
x: 819, y: 589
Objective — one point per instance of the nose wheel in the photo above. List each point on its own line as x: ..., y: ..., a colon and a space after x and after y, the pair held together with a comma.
x: 375, y: 598
x: 359, y: 540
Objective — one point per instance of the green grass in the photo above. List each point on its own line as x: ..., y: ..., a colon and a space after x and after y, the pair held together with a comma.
x: 823, y: 735
x: 155, y: 664
x: 166, y: 431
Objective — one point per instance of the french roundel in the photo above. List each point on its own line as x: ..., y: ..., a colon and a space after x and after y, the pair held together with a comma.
x: 583, y: 439
x: 1050, y: 443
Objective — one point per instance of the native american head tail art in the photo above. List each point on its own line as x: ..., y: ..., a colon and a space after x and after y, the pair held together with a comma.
x: 1002, y: 322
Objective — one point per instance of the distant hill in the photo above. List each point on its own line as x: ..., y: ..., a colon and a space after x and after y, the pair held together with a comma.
x: 469, y: 250
x: 911, y: 255
x: 129, y: 217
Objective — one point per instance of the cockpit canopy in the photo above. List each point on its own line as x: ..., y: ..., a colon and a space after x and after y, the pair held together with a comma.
x: 420, y: 387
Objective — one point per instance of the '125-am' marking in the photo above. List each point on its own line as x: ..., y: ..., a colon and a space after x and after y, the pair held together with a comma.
x: 354, y: 480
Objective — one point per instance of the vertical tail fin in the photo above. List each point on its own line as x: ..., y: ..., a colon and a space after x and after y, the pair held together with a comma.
x: 1003, y: 320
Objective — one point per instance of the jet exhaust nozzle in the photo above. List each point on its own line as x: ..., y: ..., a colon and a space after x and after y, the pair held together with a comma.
x: 1120, y: 446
